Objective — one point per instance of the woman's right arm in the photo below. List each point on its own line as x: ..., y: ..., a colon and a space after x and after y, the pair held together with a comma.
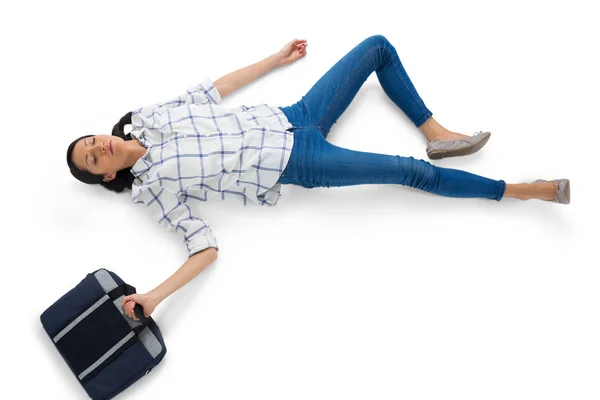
x: 231, y: 82
x: 188, y: 271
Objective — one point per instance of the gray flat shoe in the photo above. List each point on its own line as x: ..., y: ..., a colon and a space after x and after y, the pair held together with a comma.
x: 437, y: 149
x: 563, y: 192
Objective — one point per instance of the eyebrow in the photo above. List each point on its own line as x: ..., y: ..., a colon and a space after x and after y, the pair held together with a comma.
x: 86, y: 156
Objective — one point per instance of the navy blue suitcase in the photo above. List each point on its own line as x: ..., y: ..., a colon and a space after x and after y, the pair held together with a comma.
x: 105, y: 349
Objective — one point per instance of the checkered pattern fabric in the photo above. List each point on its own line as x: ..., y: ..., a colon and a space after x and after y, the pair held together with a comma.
x: 198, y: 150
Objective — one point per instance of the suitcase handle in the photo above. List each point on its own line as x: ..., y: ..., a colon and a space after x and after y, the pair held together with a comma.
x: 126, y: 290
x: 139, y: 312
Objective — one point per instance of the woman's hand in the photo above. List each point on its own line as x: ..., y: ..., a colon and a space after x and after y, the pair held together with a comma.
x: 147, y: 302
x: 292, y: 51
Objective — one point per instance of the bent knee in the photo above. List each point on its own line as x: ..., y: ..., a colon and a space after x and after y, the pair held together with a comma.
x: 377, y: 40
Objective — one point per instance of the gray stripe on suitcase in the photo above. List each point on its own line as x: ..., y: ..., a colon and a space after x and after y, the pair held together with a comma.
x: 150, y: 342
x: 106, y: 355
x: 106, y: 280
x: 80, y: 318
x: 147, y: 338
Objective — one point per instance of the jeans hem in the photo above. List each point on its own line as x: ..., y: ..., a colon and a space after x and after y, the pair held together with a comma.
x: 501, y: 190
x: 424, y: 119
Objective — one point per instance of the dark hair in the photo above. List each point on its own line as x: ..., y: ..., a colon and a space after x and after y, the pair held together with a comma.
x: 124, y: 178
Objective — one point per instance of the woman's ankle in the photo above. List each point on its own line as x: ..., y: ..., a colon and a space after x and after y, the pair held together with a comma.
x: 527, y: 191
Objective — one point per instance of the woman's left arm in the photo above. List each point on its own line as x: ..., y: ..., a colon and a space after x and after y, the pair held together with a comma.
x: 231, y: 82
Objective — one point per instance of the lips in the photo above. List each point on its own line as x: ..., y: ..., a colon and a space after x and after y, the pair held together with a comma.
x: 110, y: 147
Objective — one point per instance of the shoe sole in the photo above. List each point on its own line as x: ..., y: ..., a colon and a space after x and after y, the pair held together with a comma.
x: 437, y: 155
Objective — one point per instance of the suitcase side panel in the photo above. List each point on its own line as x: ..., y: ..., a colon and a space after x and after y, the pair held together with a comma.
x: 70, y: 305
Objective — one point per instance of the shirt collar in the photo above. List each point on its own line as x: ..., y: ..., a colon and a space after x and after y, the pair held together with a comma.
x: 141, y: 165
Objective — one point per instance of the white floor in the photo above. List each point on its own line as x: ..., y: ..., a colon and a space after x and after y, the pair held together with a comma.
x: 379, y: 292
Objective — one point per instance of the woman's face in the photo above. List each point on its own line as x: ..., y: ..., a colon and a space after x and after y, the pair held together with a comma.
x: 100, y: 155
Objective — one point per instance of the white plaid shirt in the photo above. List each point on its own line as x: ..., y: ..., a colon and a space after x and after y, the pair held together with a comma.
x: 198, y: 150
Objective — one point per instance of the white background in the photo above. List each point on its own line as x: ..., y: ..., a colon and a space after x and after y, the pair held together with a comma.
x: 372, y: 291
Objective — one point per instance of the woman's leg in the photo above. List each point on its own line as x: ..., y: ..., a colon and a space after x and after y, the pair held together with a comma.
x: 316, y: 162
x: 331, y: 95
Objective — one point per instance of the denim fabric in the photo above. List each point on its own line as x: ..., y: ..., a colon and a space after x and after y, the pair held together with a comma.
x: 315, y: 162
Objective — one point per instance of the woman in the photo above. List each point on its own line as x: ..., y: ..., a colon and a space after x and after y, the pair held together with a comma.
x: 192, y: 149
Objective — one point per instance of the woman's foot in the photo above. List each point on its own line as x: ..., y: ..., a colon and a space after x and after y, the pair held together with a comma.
x: 432, y: 130
x: 437, y: 149
x: 558, y: 191
x: 443, y: 143
x: 547, y: 190
x: 446, y: 135
x: 562, y: 190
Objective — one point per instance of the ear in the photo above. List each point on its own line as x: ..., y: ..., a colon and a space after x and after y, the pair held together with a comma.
x: 109, y: 177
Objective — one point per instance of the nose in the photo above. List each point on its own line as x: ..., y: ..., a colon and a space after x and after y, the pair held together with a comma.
x: 101, y: 148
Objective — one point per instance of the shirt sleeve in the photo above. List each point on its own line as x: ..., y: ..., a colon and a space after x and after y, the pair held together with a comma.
x: 202, y: 93
x: 177, y: 217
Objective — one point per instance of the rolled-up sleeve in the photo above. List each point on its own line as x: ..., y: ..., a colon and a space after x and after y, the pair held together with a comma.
x: 202, y: 93
x: 176, y: 217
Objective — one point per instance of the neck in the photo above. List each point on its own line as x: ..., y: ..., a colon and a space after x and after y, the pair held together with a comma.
x: 135, y: 151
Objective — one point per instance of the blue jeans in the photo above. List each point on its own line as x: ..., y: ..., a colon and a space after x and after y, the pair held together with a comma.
x: 315, y: 162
